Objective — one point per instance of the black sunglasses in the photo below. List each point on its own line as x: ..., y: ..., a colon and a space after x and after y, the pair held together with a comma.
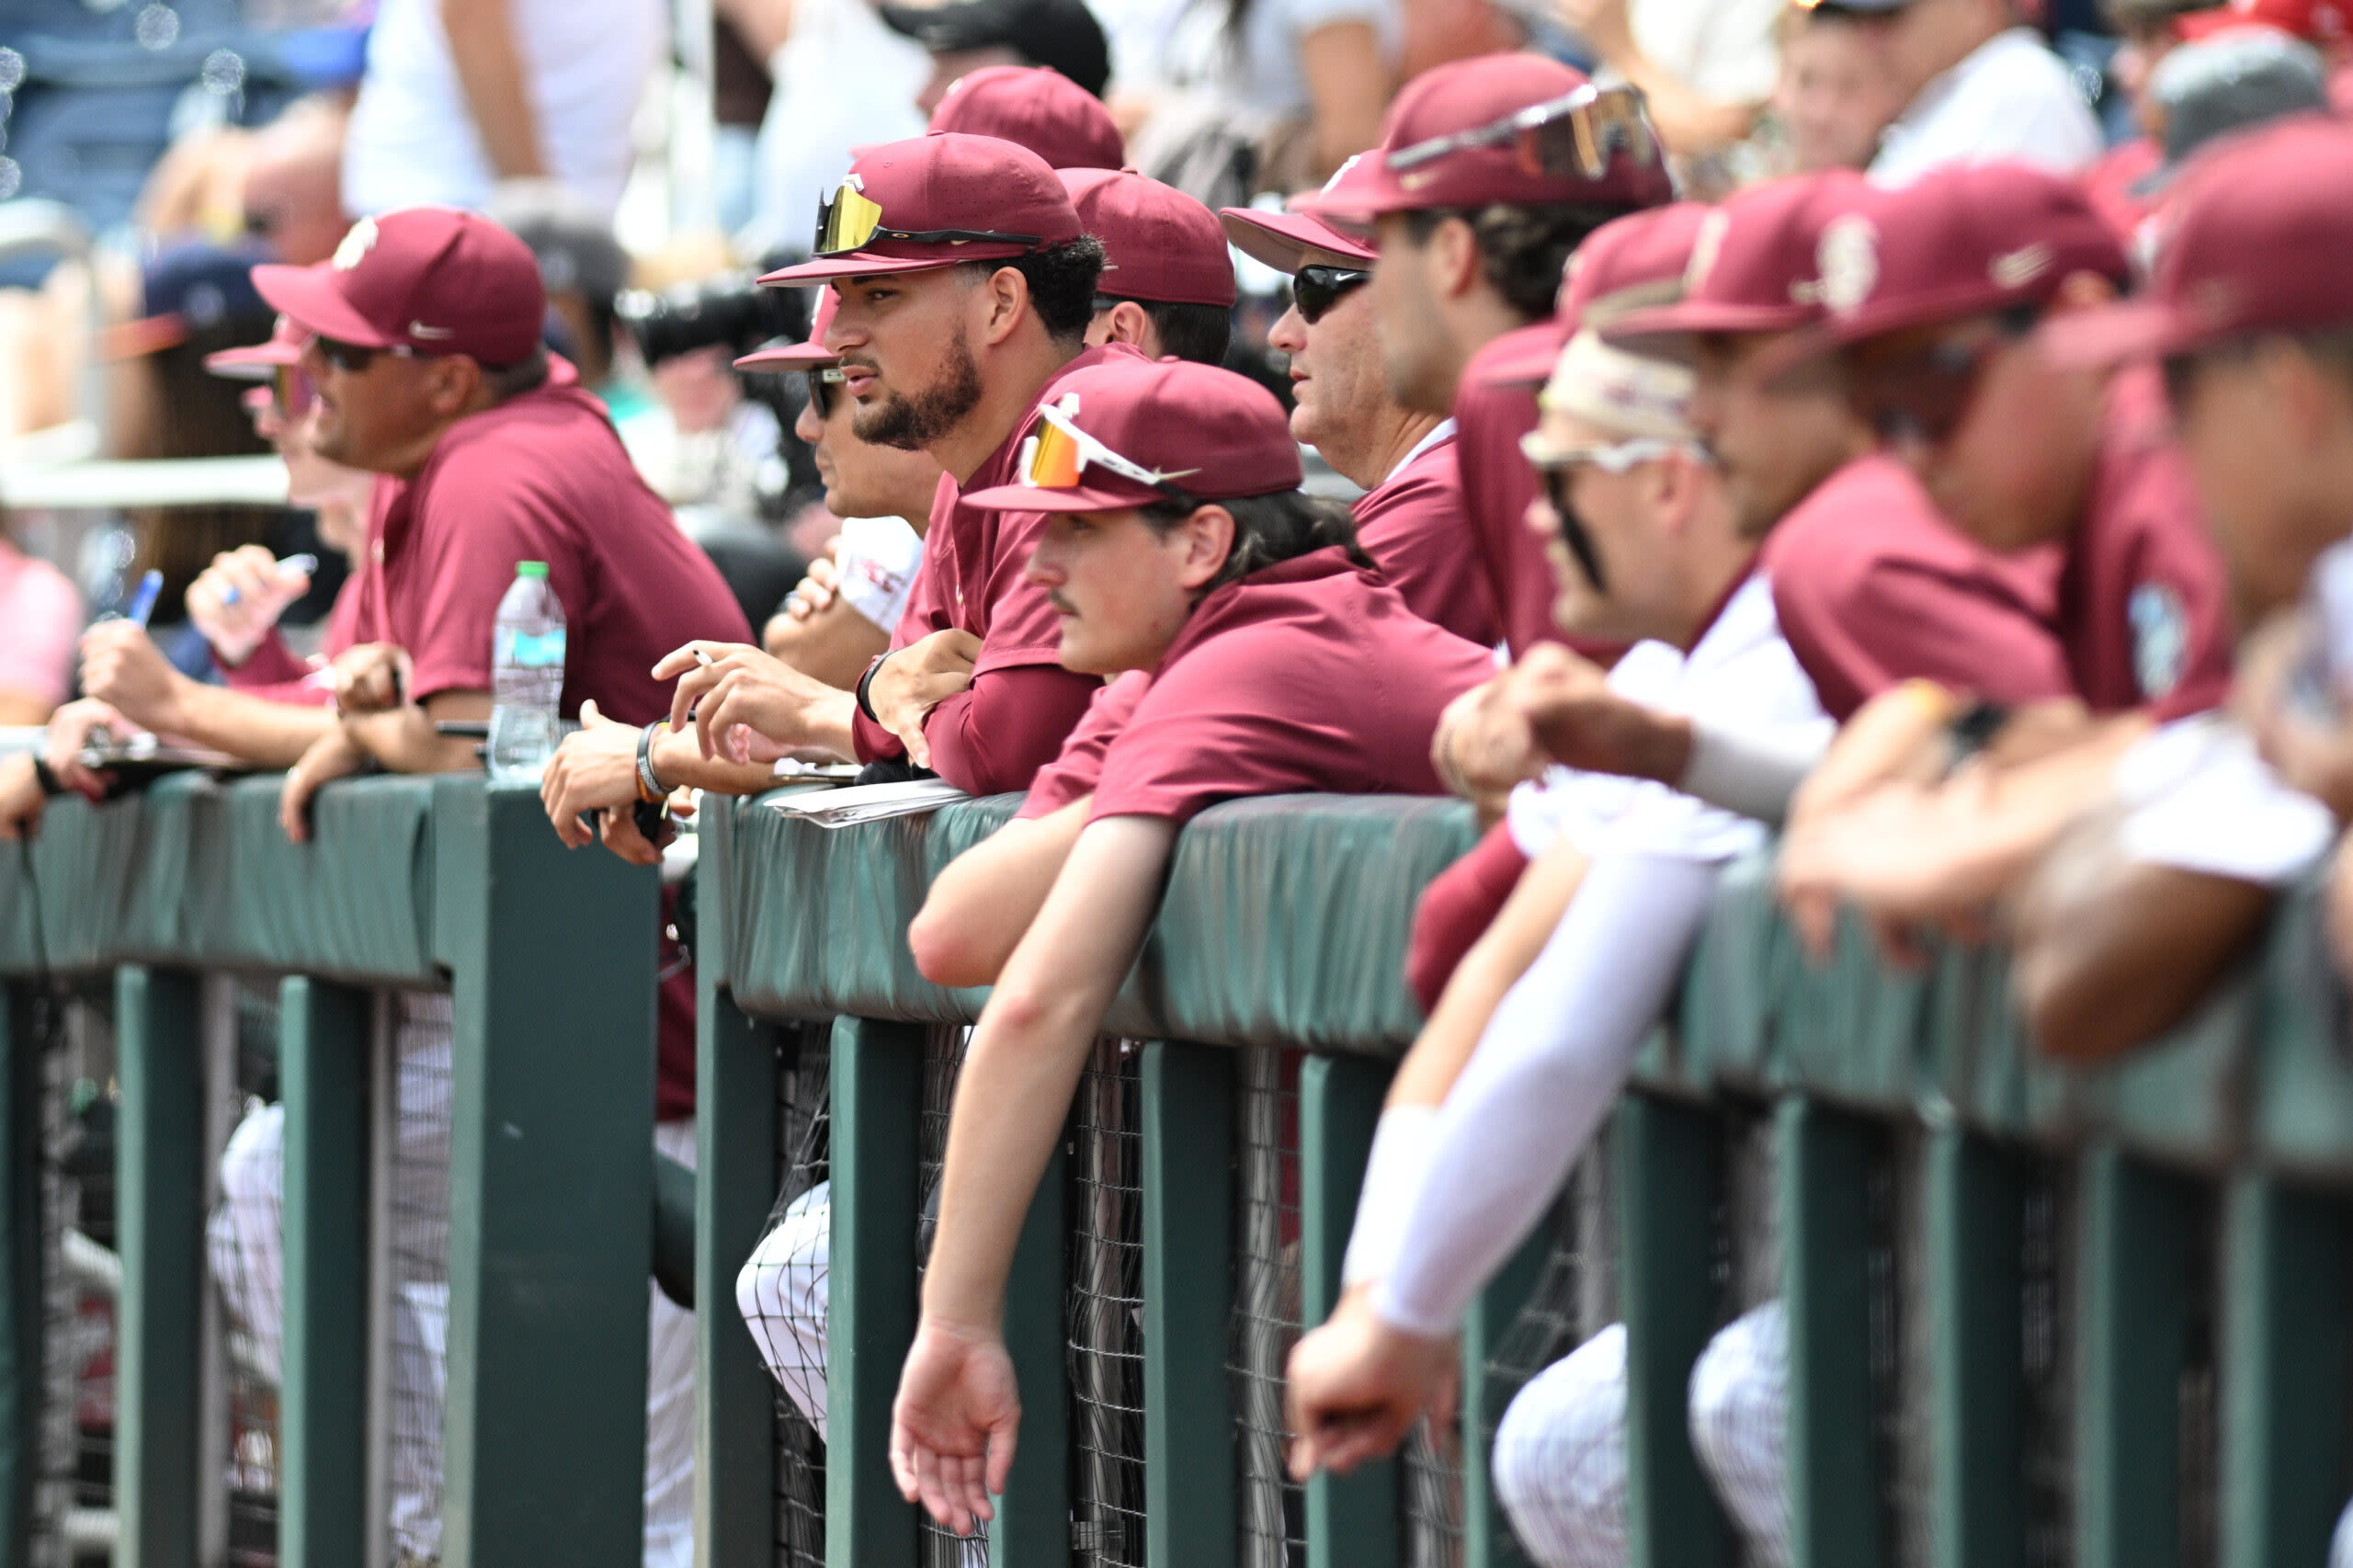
x: 1316, y: 289
x: 352, y: 359
x: 1557, y: 479
x: 824, y: 382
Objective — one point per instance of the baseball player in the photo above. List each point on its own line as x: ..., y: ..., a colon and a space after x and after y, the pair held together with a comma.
x: 1168, y: 287
x: 1253, y: 654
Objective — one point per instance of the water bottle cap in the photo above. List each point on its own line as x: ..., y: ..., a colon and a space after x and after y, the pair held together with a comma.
x: 530, y: 568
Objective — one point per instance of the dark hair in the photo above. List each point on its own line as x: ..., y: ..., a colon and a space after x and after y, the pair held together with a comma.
x: 1195, y: 332
x: 1268, y: 529
x: 1061, y: 284
x: 1522, y: 250
x: 526, y: 374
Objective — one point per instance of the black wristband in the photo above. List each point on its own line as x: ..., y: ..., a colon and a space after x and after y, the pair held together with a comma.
x: 865, y: 705
x: 1974, y: 727
x: 47, y: 779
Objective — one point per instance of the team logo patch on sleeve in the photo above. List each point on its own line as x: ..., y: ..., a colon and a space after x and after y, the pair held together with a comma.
x: 2160, y: 638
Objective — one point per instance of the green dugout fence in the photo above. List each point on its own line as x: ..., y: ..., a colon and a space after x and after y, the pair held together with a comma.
x: 2037, y: 1316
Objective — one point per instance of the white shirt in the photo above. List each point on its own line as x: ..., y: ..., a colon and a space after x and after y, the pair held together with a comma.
x: 876, y: 567
x: 1740, y: 676
x: 1261, y: 75
x: 1722, y: 49
x: 412, y: 141
x: 2197, y: 798
x: 2010, y: 99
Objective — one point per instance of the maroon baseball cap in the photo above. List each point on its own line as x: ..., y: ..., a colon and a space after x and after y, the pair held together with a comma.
x: 935, y: 201
x: 1769, y: 258
x: 1118, y: 432
x: 1969, y: 241
x: 1289, y: 241
x: 1036, y: 107
x: 283, y: 347
x: 810, y: 355
x: 1158, y: 243
x: 1505, y: 129
x: 428, y: 279
x: 2242, y: 250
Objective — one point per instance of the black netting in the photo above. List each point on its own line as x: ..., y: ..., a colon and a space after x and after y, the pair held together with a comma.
x: 1430, y: 1466
x: 1105, y: 1311
x: 803, y: 1098
x: 1574, y: 1296
x: 1266, y: 1306
x: 73, y: 1489
x: 2047, y: 1345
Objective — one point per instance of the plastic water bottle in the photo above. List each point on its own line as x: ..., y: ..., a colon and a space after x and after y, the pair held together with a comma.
x: 526, y: 676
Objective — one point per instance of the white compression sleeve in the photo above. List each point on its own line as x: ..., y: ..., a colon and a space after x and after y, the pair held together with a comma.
x: 1753, y: 772
x: 1546, y: 1071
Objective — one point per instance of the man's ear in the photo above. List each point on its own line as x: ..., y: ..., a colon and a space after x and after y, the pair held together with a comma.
x: 2082, y: 291
x: 1000, y: 302
x: 1208, y: 540
x: 455, y: 379
x: 1131, y: 322
x: 1453, y: 257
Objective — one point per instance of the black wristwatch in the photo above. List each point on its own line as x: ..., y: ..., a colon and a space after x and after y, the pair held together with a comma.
x: 47, y: 779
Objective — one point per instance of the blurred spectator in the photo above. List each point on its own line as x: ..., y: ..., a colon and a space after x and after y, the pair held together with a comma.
x: 197, y: 299
x: 292, y: 196
x: 704, y: 442
x: 962, y: 36
x: 584, y: 269
x: 2146, y: 31
x: 1226, y: 98
x: 40, y: 617
x: 842, y: 80
x: 740, y: 94
x: 2226, y: 82
x: 1704, y: 66
x: 1039, y: 107
x: 462, y: 94
x: 1836, y: 93
x: 1979, y: 86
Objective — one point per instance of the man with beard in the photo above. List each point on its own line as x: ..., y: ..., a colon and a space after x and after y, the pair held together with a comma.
x: 965, y: 284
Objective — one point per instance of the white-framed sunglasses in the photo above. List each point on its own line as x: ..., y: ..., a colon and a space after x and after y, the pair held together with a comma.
x: 1059, y: 453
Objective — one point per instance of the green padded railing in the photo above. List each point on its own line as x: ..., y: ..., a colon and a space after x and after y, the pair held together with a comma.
x: 441, y: 884
x: 1284, y: 924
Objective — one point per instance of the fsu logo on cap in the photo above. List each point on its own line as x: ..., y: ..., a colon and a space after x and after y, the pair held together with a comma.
x: 1706, y: 246
x: 1846, y: 256
x: 356, y: 244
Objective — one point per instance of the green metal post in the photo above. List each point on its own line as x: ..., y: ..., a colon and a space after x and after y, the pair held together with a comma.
x: 877, y: 1103
x: 2284, y: 1368
x: 1351, y: 1520
x: 160, y: 1226
x: 1977, y: 1351
x: 23, y: 1380
x: 1190, y: 1483
x: 1487, y: 1540
x: 735, y: 1171
x: 550, y: 1186
x: 323, y: 1065
x: 1825, y: 1233
x: 1032, y: 1522
x: 1668, y: 1157
x: 2132, y: 1326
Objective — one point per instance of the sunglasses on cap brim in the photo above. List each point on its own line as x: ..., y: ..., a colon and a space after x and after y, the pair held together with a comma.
x: 851, y: 220
x: 1576, y: 134
x: 1316, y: 289
x: 1059, y: 454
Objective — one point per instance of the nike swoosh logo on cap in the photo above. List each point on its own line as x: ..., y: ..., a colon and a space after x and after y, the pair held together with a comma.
x: 418, y: 329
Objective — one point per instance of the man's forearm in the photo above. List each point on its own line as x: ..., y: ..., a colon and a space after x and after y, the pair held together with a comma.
x: 404, y: 740
x: 273, y: 735
x: 489, y: 63
x: 992, y: 737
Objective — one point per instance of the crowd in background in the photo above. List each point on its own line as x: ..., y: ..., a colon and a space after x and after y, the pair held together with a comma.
x: 1920, y: 429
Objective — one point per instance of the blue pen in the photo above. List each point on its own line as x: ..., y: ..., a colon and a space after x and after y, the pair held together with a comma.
x: 142, y: 602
